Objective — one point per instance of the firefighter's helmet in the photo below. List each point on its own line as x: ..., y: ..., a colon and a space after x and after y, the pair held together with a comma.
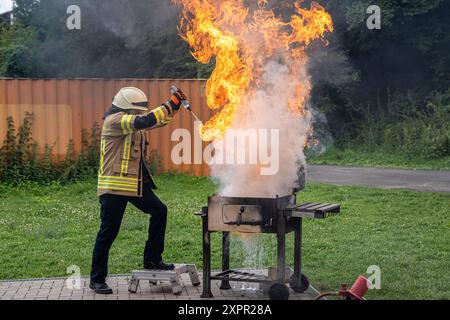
x: 130, y: 98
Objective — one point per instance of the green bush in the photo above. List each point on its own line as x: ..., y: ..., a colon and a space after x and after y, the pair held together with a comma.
x: 21, y: 161
x: 408, y: 125
x: 154, y: 160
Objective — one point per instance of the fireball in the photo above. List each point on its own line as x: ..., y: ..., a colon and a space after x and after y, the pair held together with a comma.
x: 241, y: 38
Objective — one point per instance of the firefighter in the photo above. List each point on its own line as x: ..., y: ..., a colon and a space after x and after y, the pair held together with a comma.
x: 124, y: 177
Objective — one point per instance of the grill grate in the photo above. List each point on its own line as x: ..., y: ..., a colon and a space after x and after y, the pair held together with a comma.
x: 313, y: 210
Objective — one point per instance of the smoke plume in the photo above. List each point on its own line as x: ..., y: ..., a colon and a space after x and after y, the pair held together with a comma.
x: 268, y: 109
x: 260, y: 87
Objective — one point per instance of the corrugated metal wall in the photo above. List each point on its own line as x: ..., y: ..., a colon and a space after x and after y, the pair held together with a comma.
x: 62, y: 108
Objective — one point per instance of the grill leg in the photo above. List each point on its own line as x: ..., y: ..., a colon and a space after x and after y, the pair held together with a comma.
x: 298, y: 251
x: 298, y: 282
x: 281, y: 247
x: 225, y: 285
x: 206, y: 257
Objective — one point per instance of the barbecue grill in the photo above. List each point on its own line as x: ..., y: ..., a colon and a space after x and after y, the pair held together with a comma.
x: 279, y: 215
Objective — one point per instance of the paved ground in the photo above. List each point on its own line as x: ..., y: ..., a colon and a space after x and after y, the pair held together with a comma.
x: 420, y: 180
x: 55, y: 289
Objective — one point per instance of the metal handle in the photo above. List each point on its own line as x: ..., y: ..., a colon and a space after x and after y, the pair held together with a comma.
x: 185, y: 103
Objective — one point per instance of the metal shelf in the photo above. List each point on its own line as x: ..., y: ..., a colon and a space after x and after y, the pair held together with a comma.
x: 313, y: 210
x: 233, y: 275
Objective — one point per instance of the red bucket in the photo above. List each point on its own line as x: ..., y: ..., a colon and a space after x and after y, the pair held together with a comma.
x: 359, y: 288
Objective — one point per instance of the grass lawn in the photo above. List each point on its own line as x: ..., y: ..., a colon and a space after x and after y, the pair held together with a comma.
x: 45, y: 229
x: 381, y: 159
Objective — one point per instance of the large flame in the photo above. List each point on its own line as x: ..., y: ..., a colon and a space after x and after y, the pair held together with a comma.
x: 241, y: 38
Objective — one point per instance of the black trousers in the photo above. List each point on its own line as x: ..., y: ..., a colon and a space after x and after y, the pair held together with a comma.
x: 112, y: 209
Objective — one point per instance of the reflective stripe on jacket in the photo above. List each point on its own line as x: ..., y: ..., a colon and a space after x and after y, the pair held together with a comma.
x: 122, y: 147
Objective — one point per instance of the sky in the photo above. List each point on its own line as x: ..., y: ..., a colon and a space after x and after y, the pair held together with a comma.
x: 5, y: 5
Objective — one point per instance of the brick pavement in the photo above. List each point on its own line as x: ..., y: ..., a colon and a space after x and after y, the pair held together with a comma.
x: 55, y: 289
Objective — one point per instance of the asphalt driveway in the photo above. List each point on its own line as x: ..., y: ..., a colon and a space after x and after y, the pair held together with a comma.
x: 419, y: 180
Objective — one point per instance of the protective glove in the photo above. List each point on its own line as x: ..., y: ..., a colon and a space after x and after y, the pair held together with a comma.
x: 176, y: 98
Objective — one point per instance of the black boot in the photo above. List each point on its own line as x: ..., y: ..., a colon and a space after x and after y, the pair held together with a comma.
x: 101, y: 288
x: 158, y: 266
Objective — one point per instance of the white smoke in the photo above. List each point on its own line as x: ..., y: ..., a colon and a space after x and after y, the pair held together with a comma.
x: 268, y: 108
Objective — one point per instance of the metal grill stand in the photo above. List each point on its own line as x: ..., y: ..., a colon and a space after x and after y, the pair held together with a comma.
x: 276, y: 285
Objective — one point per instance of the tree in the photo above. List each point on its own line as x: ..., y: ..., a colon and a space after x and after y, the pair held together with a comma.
x: 409, y: 53
x: 111, y: 33
x: 17, y: 56
x: 24, y: 11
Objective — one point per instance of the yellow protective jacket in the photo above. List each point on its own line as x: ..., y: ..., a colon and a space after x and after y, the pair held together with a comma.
x: 123, y: 147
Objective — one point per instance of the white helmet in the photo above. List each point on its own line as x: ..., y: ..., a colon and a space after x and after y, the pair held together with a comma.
x: 131, y: 98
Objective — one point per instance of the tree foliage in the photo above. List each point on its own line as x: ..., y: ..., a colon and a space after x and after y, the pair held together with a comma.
x: 116, y: 40
x: 358, y: 74
x: 17, y: 51
x: 139, y: 39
